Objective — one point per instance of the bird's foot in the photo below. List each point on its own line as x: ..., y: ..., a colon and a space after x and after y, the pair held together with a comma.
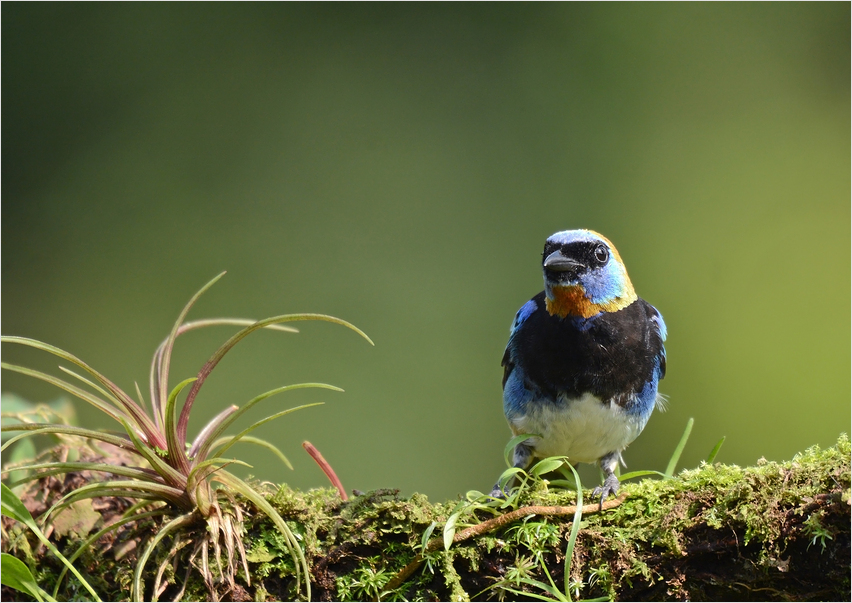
x: 522, y: 455
x: 609, y: 487
x: 498, y: 492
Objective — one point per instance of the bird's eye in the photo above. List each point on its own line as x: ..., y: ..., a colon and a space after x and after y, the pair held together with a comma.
x: 601, y: 254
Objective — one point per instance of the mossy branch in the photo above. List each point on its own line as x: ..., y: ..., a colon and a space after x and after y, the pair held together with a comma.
x: 493, y: 524
x: 775, y: 531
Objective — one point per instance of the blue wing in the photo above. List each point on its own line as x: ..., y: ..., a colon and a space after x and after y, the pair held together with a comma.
x: 660, y: 325
x: 507, y: 363
x: 516, y: 394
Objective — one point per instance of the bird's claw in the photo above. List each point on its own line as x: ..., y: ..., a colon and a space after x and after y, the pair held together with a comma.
x: 609, y: 487
x: 498, y: 492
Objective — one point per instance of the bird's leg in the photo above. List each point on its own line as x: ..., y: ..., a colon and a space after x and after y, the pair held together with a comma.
x: 611, y: 484
x: 521, y: 458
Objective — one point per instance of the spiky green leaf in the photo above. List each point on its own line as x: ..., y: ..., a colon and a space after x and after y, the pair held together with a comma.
x: 254, y: 426
x: 155, y: 377
x: 228, y: 345
x: 170, y: 475
x: 176, y: 447
x: 53, y: 429
x: 258, y: 442
x: 166, y: 356
x: 92, y: 399
x: 130, y: 407
x: 58, y: 468
x: 203, y: 447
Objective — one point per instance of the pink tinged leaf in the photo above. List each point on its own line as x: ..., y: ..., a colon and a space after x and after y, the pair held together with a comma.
x: 172, y: 476
x: 130, y: 407
x: 177, y: 454
x: 139, y: 473
x: 165, y: 361
x: 154, y: 377
x: 326, y: 468
x: 89, y: 397
x: 204, y: 447
x: 48, y: 428
x: 205, y: 434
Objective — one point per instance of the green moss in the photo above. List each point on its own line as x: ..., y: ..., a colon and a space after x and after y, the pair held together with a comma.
x: 719, y: 531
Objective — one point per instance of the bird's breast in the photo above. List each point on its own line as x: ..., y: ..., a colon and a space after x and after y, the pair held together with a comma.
x: 584, y: 429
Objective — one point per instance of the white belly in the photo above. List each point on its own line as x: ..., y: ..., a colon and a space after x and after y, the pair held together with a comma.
x: 583, y: 429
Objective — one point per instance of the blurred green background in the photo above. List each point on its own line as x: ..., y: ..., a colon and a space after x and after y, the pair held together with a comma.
x: 400, y: 166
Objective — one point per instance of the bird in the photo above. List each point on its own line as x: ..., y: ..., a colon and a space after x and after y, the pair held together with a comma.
x: 584, y: 360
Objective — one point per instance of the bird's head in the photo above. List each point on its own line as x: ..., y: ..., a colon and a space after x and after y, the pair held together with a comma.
x: 584, y: 275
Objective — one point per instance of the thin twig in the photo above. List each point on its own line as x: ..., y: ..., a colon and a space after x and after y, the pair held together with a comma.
x: 493, y: 524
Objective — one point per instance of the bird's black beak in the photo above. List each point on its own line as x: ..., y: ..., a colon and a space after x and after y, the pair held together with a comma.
x: 560, y: 263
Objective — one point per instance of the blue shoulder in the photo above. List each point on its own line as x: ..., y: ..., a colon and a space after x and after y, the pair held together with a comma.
x: 522, y: 314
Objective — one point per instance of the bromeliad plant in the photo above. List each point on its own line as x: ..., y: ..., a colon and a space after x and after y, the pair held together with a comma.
x: 171, y: 469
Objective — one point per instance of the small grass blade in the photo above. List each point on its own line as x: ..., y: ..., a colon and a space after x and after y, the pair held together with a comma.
x: 510, y: 446
x: 552, y: 589
x: 139, y: 395
x: 712, y: 456
x: 11, y: 506
x: 641, y: 473
x: 669, y: 472
x: 555, y: 595
x: 575, y: 529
